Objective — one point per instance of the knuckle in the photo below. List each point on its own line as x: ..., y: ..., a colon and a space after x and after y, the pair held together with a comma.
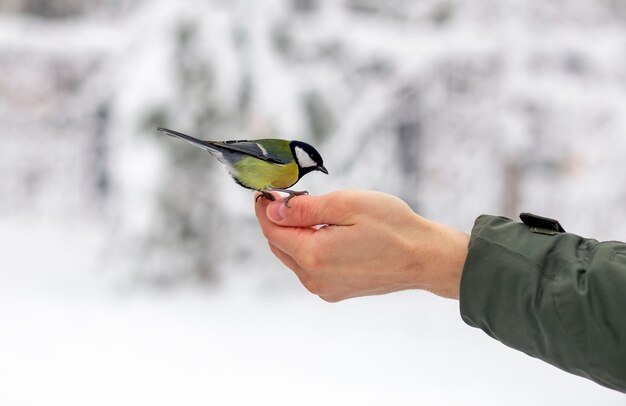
x: 311, y: 260
x: 300, y: 211
x: 310, y: 282
x: 272, y: 232
x: 273, y: 248
x: 304, y: 277
x: 302, y: 242
x: 343, y: 205
x: 330, y: 298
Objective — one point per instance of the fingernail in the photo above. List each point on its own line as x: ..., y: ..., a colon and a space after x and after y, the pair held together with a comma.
x: 276, y: 211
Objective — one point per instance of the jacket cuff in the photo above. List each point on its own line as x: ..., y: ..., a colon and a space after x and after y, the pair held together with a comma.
x: 504, y: 285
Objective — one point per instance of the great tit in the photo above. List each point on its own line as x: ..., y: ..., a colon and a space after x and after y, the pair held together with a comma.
x: 264, y: 165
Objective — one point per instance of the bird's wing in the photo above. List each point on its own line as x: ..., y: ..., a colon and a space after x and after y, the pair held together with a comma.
x: 251, y: 148
x: 245, y: 147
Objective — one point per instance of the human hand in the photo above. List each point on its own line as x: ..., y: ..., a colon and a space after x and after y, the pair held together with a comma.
x: 355, y: 243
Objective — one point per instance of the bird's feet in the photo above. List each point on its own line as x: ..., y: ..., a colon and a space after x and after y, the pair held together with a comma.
x: 292, y: 194
x: 265, y: 195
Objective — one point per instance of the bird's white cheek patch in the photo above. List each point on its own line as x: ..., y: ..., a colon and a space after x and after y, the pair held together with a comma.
x: 303, y: 158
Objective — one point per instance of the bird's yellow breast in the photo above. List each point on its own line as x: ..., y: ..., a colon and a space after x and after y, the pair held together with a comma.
x: 262, y: 175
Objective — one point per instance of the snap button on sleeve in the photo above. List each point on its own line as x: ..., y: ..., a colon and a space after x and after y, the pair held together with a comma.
x: 541, y: 225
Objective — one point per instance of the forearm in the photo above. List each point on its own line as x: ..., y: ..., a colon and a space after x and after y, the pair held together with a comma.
x: 440, y: 255
x: 560, y: 298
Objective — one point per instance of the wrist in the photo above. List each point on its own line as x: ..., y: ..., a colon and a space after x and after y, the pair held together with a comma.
x: 439, y: 257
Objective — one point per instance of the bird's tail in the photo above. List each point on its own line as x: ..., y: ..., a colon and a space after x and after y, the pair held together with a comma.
x: 207, y: 146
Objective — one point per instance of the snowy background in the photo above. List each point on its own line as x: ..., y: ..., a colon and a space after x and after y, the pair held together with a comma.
x: 132, y: 270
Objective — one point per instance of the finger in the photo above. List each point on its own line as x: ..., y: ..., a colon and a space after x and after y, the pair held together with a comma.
x: 261, y: 203
x: 307, y: 211
x: 291, y: 240
x: 293, y: 265
x: 260, y: 209
x: 285, y: 259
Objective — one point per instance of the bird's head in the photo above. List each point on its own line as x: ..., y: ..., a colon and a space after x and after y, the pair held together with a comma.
x: 307, y: 158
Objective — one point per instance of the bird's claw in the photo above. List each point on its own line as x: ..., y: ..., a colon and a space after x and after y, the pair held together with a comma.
x: 292, y: 195
x: 265, y: 195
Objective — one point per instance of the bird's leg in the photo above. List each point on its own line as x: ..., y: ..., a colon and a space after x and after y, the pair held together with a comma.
x: 292, y: 194
x: 265, y: 195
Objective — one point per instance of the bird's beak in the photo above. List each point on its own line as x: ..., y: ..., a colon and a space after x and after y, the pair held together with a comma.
x: 321, y: 168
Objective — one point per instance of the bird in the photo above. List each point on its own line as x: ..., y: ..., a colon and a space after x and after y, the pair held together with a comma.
x: 265, y: 165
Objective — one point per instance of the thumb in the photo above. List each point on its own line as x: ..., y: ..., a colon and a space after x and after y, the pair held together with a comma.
x: 308, y: 211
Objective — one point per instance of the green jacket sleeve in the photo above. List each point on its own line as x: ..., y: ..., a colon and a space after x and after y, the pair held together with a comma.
x: 553, y: 295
